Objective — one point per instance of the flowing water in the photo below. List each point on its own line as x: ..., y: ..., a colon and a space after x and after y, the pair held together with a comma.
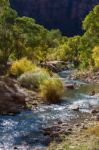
x: 24, y: 130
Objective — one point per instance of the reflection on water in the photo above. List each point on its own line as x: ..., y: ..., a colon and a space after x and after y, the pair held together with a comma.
x: 25, y: 129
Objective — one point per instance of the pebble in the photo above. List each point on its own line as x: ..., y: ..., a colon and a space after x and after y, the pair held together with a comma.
x: 15, y: 147
x: 94, y: 111
x: 97, y: 117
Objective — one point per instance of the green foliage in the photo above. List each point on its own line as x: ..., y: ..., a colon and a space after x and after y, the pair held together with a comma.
x: 31, y: 35
x: 3, y: 3
x: 95, y: 56
x: 53, y: 37
x: 23, y: 37
x: 52, y: 90
x: 33, y: 80
x: 20, y: 36
x: 90, y: 39
x: 21, y: 66
x: 91, y: 25
x: 7, y: 19
x: 91, y: 22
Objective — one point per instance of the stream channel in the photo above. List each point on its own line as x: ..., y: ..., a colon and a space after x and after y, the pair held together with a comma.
x: 24, y: 131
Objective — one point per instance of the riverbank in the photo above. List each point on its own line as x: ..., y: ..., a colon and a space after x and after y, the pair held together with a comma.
x: 88, y: 76
x: 14, y: 99
x: 83, y: 134
x: 37, y: 128
x: 80, y: 139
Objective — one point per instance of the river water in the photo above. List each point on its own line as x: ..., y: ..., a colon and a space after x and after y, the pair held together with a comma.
x: 24, y: 130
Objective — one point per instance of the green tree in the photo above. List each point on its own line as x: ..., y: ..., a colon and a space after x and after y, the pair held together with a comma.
x: 29, y: 37
x: 90, y: 38
x: 91, y: 25
x: 73, y: 50
x: 7, y: 19
x: 95, y: 56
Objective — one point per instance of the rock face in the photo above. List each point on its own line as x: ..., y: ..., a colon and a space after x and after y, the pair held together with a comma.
x: 66, y: 15
x: 11, y: 100
x: 14, y: 99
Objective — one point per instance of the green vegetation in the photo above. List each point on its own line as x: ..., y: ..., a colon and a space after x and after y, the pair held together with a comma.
x: 33, y: 80
x: 23, y: 37
x: 38, y: 79
x: 95, y: 56
x: 21, y: 66
x: 52, y: 90
x: 80, y: 140
x: 25, y: 44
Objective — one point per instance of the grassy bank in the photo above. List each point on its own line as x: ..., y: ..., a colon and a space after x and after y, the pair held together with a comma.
x: 85, y: 139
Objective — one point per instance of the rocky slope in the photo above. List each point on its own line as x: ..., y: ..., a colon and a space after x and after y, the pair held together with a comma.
x: 14, y: 99
x: 66, y: 15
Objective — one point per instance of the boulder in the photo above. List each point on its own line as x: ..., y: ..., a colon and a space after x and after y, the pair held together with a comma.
x: 11, y: 99
x: 94, y: 111
x: 97, y: 117
x: 92, y: 93
x: 74, y: 107
x: 69, y: 86
x: 55, y: 66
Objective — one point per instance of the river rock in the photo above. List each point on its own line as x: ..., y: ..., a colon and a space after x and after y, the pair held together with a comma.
x: 15, y: 147
x: 67, y: 132
x: 59, y: 122
x: 55, y: 66
x: 70, y: 86
x: 11, y: 100
x: 92, y: 93
x: 74, y: 107
x: 94, y: 111
x: 97, y: 117
x: 83, y: 126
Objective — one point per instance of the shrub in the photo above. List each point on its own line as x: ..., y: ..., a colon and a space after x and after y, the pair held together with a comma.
x: 95, y: 56
x: 33, y: 80
x: 52, y: 90
x: 21, y: 66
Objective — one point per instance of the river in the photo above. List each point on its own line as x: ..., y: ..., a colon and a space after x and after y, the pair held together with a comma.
x: 24, y: 131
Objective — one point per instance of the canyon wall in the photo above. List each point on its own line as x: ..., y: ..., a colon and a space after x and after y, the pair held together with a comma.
x: 67, y: 15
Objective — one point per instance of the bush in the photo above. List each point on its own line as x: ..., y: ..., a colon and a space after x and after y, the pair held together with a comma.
x: 95, y: 56
x: 52, y: 90
x: 21, y: 66
x: 33, y: 80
